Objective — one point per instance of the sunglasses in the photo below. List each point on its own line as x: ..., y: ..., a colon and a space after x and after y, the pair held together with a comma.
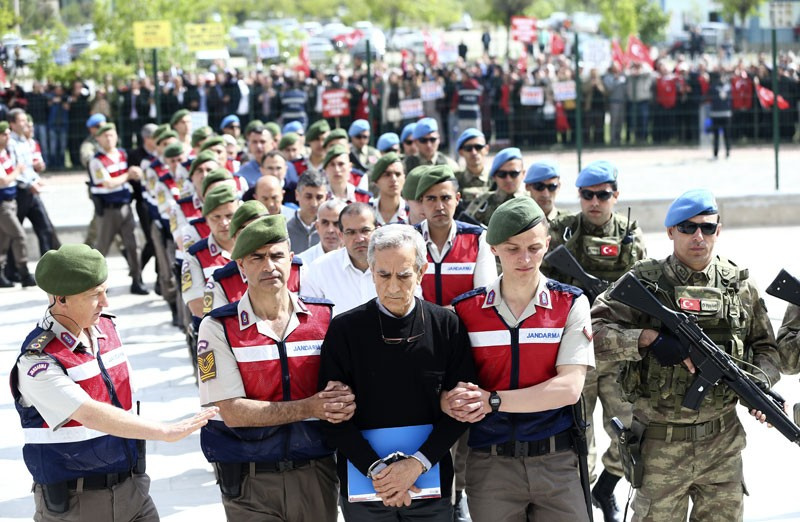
x: 503, y: 174
x: 539, y: 186
x: 409, y: 142
x: 428, y: 140
x: 473, y: 148
x: 690, y: 227
x: 602, y: 195
x: 362, y: 137
x: 398, y: 340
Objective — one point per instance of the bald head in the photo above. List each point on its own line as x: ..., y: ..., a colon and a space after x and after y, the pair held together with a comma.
x: 269, y: 191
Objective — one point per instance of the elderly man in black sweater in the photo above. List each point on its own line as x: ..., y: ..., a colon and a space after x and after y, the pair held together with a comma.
x: 397, y: 353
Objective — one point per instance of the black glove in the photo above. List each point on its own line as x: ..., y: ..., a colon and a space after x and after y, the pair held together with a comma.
x: 668, y: 349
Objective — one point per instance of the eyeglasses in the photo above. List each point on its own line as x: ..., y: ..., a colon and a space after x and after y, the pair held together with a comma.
x: 398, y: 340
x: 602, y: 195
x: 409, y: 142
x: 690, y: 227
x: 503, y: 174
x: 473, y: 148
x: 428, y: 140
x: 539, y: 186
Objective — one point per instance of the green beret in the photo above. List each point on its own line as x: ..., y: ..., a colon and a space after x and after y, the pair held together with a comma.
x: 105, y: 128
x: 513, y: 217
x: 200, y: 134
x: 336, y: 150
x: 71, y: 270
x: 435, y: 175
x: 288, y: 139
x: 317, y: 129
x: 215, y: 175
x: 173, y: 150
x: 409, y: 191
x: 252, y: 125
x: 273, y: 128
x: 335, y: 134
x: 210, y: 142
x: 178, y: 116
x: 203, y: 157
x: 165, y: 136
x: 263, y: 231
x: 161, y: 129
x: 216, y: 197
x: 382, y: 164
x: 3, y: 126
x: 249, y: 210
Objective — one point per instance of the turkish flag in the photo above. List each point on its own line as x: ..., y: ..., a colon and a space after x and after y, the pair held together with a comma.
x: 766, y: 97
x: 692, y: 305
x: 430, y: 53
x: 2, y: 76
x: 638, y: 51
x: 617, y: 56
x: 522, y: 61
x: 556, y: 44
x: 305, y: 62
x: 609, y: 250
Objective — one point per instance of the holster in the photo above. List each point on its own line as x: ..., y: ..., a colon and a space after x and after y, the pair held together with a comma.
x: 630, y: 452
x: 141, y: 461
x: 229, y: 477
x: 56, y: 497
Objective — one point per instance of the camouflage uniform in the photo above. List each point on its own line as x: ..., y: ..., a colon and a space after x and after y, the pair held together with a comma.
x: 682, y: 463
x: 789, y: 341
x: 470, y: 185
x: 484, y: 205
x: 409, y: 162
x: 604, y: 253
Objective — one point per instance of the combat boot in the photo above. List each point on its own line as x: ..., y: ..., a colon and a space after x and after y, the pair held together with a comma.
x: 4, y: 282
x: 138, y: 288
x: 25, y: 277
x: 603, y: 496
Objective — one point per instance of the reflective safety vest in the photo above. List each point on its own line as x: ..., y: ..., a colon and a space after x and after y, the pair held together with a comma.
x: 209, y: 255
x: 300, y: 165
x: 74, y: 450
x: 454, y: 275
x: 355, y: 177
x: 201, y: 227
x: 118, y: 195
x: 188, y: 208
x: 515, y: 358
x: 271, y: 371
x: 234, y: 285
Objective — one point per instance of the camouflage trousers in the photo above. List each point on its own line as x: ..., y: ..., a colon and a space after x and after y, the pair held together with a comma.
x: 708, y: 471
x: 602, y: 383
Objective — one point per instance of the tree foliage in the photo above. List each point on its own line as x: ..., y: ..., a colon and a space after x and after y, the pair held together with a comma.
x: 741, y: 8
x: 624, y: 17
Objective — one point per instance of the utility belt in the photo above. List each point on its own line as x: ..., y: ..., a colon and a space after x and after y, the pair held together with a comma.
x: 231, y: 474
x: 56, y: 495
x: 535, y: 448
x: 690, y: 432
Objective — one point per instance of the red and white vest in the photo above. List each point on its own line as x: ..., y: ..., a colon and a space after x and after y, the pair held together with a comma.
x: 454, y: 275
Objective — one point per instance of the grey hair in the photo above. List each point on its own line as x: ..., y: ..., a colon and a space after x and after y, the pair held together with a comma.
x: 334, y: 204
x: 396, y: 236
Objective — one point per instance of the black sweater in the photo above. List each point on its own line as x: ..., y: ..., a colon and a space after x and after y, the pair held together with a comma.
x: 396, y: 384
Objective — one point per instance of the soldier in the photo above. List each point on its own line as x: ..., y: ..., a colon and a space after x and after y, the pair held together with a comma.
x: 335, y: 137
x: 606, y: 245
x: 415, y: 213
x: 315, y: 138
x: 388, y: 142
x: 388, y: 176
x: 362, y: 155
x: 426, y: 137
x: 507, y: 172
x: 686, y: 453
x: 199, y: 136
x: 181, y: 122
x: 290, y: 146
x: 337, y: 168
x: 473, y: 180
x: 788, y: 340
x: 11, y: 232
x: 409, y: 146
x: 89, y: 146
x: 543, y: 182
x: 259, y: 143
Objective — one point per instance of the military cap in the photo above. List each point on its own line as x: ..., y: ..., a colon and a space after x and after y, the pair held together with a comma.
x: 692, y: 203
x: 203, y: 157
x: 71, y: 270
x: 357, y: 127
x: 164, y: 136
x: 408, y: 132
x: 3, y: 126
x: 435, y: 175
x: 95, y: 120
x: 382, y: 164
x: 262, y: 231
x: 293, y: 126
x: 200, y: 134
x: 229, y: 120
x: 317, y: 129
x: 595, y: 173
x: 174, y: 150
x: 247, y: 211
x: 513, y: 217
x: 409, y: 191
x: 505, y: 155
x: 467, y: 135
x: 336, y: 150
x: 252, y: 126
x: 335, y: 134
x: 288, y: 139
x: 387, y: 141
x: 210, y: 142
x: 424, y: 127
x: 216, y: 197
x: 214, y: 176
x: 178, y: 116
x: 273, y: 128
x: 542, y: 171
x: 105, y: 128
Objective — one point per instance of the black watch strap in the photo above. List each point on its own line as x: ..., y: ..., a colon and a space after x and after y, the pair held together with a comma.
x: 494, y: 401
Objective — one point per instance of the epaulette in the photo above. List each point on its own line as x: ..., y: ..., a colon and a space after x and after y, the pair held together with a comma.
x: 228, y: 270
x: 38, y: 343
x: 197, y: 220
x: 467, y: 295
x: 648, y: 269
x: 357, y: 172
x: 197, y: 247
x: 362, y: 191
x: 315, y: 300
x: 466, y: 228
x: 187, y: 199
x: 296, y: 260
x: 563, y: 287
x: 108, y: 315
x: 228, y: 310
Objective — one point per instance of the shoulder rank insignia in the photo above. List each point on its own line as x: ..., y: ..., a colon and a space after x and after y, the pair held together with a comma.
x: 38, y: 344
x: 206, y: 366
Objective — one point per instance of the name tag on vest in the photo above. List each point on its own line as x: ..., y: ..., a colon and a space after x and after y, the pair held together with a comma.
x: 452, y: 268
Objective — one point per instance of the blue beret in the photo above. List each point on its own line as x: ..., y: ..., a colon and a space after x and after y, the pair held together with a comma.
x: 293, y: 126
x: 468, y: 135
x: 503, y: 156
x: 229, y: 120
x: 690, y: 204
x: 424, y: 127
x: 542, y: 171
x: 95, y: 120
x: 408, y: 130
x: 357, y: 127
x: 387, y: 141
x: 595, y: 173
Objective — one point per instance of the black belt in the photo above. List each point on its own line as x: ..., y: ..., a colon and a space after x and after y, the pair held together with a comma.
x: 534, y: 448
x: 100, y: 481
x: 114, y: 205
x: 277, y: 467
x: 690, y: 432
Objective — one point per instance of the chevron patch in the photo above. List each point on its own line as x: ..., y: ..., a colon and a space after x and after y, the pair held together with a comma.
x: 206, y: 366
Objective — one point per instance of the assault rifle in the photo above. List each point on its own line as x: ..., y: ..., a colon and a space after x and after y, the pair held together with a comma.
x: 786, y: 287
x: 712, y: 364
x: 565, y: 263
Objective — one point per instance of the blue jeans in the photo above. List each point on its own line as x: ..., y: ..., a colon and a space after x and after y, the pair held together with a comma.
x: 57, y: 148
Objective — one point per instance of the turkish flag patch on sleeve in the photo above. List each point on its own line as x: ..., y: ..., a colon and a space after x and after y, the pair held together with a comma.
x: 691, y: 305
x: 609, y: 250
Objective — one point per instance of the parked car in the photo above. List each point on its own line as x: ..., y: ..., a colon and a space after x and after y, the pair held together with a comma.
x: 312, y: 28
x: 319, y: 49
x: 244, y: 42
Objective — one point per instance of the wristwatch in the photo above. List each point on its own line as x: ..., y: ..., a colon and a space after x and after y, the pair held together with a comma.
x: 494, y: 402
